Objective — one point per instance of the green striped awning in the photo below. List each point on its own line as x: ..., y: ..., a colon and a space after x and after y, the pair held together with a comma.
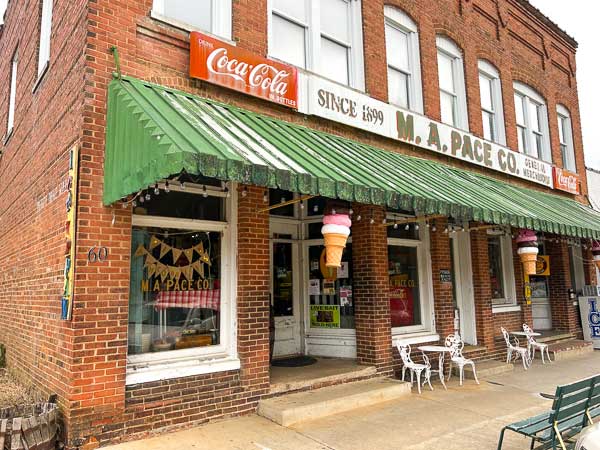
x: 154, y: 132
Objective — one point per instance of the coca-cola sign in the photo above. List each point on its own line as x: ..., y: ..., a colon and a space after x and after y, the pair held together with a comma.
x: 214, y: 61
x: 566, y: 181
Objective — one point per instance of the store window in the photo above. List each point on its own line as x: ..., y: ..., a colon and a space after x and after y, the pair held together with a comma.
x: 45, y: 33
x: 303, y: 34
x: 403, y: 60
x: 212, y: 16
x: 532, y: 122
x: 409, y: 275
x: 490, y: 90
x: 453, y: 97
x: 180, y: 286
x: 565, y: 136
x: 501, y: 270
x: 12, y: 96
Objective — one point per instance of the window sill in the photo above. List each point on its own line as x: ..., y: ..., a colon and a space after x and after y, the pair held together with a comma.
x: 40, y: 77
x: 180, y: 369
x: 414, y: 338
x: 186, y: 27
x: 505, y: 308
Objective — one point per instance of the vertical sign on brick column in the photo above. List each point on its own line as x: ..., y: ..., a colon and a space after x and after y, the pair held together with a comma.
x: 370, y: 285
x: 565, y: 315
x: 253, y: 289
x: 482, y: 289
x: 442, y: 291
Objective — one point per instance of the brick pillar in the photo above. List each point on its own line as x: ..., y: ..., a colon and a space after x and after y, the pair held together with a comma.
x: 370, y: 285
x: 442, y: 292
x: 564, y: 313
x: 589, y: 267
x: 482, y: 289
x: 253, y: 289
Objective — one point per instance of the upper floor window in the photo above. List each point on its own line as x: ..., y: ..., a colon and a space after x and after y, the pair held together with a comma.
x: 212, y: 16
x: 532, y: 122
x: 403, y: 61
x: 45, y: 32
x: 490, y: 90
x: 565, y: 136
x: 324, y: 36
x: 453, y: 98
x: 12, y: 96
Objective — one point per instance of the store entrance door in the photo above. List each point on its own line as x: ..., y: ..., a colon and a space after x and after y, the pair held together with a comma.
x: 285, y: 286
x: 541, y: 310
x: 462, y: 285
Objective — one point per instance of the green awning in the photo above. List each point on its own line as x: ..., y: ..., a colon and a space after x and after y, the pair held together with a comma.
x: 153, y: 133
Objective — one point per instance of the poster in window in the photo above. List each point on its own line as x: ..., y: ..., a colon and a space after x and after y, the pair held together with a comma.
x: 324, y: 316
x: 343, y: 270
x: 401, y: 300
x: 314, y: 287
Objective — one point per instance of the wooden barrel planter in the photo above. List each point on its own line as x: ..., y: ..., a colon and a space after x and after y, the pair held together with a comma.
x: 29, y: 427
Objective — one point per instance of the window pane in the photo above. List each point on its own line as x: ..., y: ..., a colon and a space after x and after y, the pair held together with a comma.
x: 448, y: 108
x: 489, y: 127
x: 334, y: 61
x: 175, y: 299
x: 534, y: 116
x: 522, y: 141
x: 561, y: 129
x: 283, y: 279
x: 333, y: 307
x: 45, y: 32
x: 296, y: 9
x: 538, y: 145
x: 398, y: 88
x: 289, y: 43
x: 197, y: 13
x: 278, y: 196
x: 563, y: 152
x: 183, y: 205
x: 13, y: 95
x: 334, y: 19
x: 446, y: 72
x: 405, y: 298
x: 520, y: 109
x: 495, y: 267
x: 396, y: 43
x: 485, y: 91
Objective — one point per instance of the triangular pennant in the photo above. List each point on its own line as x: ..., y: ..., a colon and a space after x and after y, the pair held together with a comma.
x: 154, y: 242
x: 174, y: 272
x: 140, y: 251
x: 189, y: 254
x: 199, y: 267
x: 149, y: 260
x: 205, y: 258
x: 151, y: 270
x: 164, y: 249
x: 199, y: 248
x: 161, y: 269
x: 176, y: 254
x: 188, y: 272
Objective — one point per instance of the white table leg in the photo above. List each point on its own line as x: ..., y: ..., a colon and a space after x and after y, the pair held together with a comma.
x: 441, y: 369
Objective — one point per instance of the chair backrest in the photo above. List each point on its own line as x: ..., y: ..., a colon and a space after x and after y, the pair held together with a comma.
x: 529, y: 332
x: 455, y: 344
x: 506, y: 336
x: 404, y: 350
x: 572, y: 401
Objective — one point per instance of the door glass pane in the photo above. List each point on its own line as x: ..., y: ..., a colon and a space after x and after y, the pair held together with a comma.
x: 448, y: 108
x: 330, y: 296
x: 398, y: 88
x: 396, y: 43
x: 283, y: 280
x: 495, y: 267
x: 485, y: 91
x: 405, y: 299
x: 334, y: 61
x: 295, y: 9
x: 289, y: 43
x: 520, y: 109
x: 334, y: 19
x: 197, y: 13
x: 446, y: 72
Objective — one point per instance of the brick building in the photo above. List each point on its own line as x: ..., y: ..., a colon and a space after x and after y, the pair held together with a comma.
x: 195, y: 193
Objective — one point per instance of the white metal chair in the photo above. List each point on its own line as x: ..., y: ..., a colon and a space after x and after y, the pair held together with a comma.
x: 518, y: 351
x: 455, y: 343
x: 413, y: 367
x: 533, y: 344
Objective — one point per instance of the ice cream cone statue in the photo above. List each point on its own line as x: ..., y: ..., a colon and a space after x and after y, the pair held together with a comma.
x: 335, y: 230
x: 596, y: 253
x: 528, y: 250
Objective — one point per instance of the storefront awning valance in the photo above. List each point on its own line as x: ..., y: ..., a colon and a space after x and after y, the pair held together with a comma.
x: 154, y: 132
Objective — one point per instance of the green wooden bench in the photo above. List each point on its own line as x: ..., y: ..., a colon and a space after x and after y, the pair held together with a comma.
x: 574, y: 407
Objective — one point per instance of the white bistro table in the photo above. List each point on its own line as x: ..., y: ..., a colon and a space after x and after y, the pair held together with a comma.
x: 526, y: 335
x: 441, y: 350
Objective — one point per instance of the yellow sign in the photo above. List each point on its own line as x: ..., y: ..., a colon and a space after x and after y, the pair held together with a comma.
x: 329, y: 273
x: 542, y: 266
x: 71, y: 230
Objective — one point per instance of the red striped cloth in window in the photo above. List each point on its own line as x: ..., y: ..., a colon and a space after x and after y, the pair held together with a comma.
x: 206, y: 298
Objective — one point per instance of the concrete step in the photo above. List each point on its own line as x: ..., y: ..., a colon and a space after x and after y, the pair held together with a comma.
x: 486, y: 369
x: 556, y: 338
x: 291, y: 409
x: 569, y: 349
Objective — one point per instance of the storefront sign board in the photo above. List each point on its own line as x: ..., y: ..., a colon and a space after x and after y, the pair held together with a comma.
x: 219, y: 63
x: 341, y: 104
x: 542, y: 266
x: 566, y: 181
x: 324, y: 316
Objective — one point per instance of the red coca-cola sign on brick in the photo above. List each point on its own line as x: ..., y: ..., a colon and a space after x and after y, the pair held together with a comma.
x: 566, y: 181
x: 214, y: 61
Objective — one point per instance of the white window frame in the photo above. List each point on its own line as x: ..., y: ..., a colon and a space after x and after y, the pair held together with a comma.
x: 427, y: 327
x: 530, y: 99
x: 45, y: 37
x: 313, y: 34
x: 568, y: 159
x: 487, y: 70
x: 508, y: 275
x: 448, y: 48
x: 399, y: 20
x: 221, y: 18
x: 12, y: 97
x: 199, y: 360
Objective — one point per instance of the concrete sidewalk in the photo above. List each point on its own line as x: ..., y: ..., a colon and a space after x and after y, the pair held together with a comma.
x: 461, y: 418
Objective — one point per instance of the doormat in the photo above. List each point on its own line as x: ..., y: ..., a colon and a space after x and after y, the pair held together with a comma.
x: 295, y: 361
